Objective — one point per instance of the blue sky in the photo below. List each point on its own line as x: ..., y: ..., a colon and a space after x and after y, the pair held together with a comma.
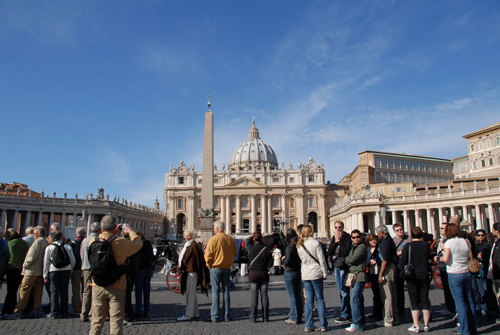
x: 111, y: 93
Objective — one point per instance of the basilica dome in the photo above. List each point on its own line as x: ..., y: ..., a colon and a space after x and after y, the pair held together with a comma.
x: 253, y: 152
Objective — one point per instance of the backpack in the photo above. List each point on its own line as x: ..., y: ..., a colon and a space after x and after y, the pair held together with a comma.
x: 103, y: 267
x: 60, y: 257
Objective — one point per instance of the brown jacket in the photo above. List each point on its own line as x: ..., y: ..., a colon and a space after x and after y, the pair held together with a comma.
x: 193, y: 261
x: 122, y: 248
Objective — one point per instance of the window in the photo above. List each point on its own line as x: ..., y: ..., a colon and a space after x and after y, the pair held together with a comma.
x: 233, y: 204
x: 258, y: 203
x: 292, y: 202
x: 233, y: 180
x: 381, y: 190
x: 488, y: 143
x: 408, y: 188
x: 311, y: 178
x: 292, y: 180
x: 258, y: 179
x: 276, y: 202
x: 480, y: 145
x: 391, y: 189
x: 200, y: 181
x: 312, y: 203
x: 474, y: 165
x: 483, y: 163
x: 246, y: 202
x: 180, y: 180
x: 216, y: 181
x: 498, y: 140
x: 216, y: 203
x: 276, y: 179
x: 399, y: 189
x: 180, y: 204
x: 472, y: 147
x: 491, y: 161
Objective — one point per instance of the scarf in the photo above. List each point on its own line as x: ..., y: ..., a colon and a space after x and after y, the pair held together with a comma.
x: 181, y: 256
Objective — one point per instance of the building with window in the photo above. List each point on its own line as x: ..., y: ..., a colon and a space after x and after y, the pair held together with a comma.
x: 386, y: 188
x: 483, y: 159
x: 252, y: 193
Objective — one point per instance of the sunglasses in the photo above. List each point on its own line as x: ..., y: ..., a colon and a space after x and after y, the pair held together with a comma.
x: 480, y: 235
x: 398, y: 230
x: 338, y: 227
x: 353, y: 237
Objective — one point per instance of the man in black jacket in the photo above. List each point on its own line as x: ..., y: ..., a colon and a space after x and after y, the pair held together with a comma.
x: 494, y: 266
x: 338, y: 251
x: 76, y: 275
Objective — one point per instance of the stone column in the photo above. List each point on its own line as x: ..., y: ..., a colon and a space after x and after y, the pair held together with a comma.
x: 361, y: 226
x: 465, y: 217
x: 40, y: 218
x: 300, y: 209
x: 90, y: 220
x: 479, y: 221
x: 440, y: 215
x: 222, y: 204
x: 491, y: 215
x: 3, y: 226
x: 269, y: 215
x: 171, y: 208
x: 263, y: 211
x: 238, y: 214
x: 15, y: 221
x: 452, y: 211
x: 253, y: 209
x: 75, y: 221
x: 51, y: 219
x: 430, y: 225
x: 406, y: 223
x: 393, y: 212
x: 63, y: 223
x: 26, y: 223
x: 229, y: 212
x: 322, y: 222
x: 377, y: 218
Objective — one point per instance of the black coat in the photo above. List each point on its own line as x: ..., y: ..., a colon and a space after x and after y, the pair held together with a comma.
x: 345, y: 247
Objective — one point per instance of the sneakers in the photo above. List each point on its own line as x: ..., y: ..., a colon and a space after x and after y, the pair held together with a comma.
x: 353, y: 328
x: 290, y: 322
x: 318, y: 329
x: 426, y: 329
x: 414, y: 329
x: 343, y: 320
x: 13, y: 316
x: 382, y: 323
x: 183, y: 318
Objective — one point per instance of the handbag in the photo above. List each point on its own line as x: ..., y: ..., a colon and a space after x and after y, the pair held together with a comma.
x: 474, y: 265
x: 350, y: 280
x: 253, y: 260
x: 307, y: 251
x: 407, y: 272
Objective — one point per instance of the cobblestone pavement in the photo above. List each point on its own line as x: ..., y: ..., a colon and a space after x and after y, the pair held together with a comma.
x: 166, y: 306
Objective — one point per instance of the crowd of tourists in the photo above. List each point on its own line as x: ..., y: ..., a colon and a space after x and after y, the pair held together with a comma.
x: 121, y: 259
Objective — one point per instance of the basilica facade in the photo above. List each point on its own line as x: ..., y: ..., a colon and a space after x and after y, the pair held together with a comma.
x: 253, y: 193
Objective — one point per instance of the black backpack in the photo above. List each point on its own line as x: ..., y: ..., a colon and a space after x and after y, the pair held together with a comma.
x: 103, y: 267
x: 76, y: 245
x: 60, y: 257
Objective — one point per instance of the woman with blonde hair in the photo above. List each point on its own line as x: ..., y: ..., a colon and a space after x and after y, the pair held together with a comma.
x: 313, y: 272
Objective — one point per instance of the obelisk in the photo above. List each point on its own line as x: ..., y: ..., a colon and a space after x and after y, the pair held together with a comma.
x: 207, y: 185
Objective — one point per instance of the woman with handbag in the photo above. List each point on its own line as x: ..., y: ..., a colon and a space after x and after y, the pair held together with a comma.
x: 372, y: 274
x: 261, y: 260
x: 356, y: 279
x: 415, y: 269
x: 313, y: 272
x: 457, y: 253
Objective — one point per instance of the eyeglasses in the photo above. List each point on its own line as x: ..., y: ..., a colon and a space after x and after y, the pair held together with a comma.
x: 338, y: 227
x: 353, y: 237
x: 396, y: 230
x: 480, y: 235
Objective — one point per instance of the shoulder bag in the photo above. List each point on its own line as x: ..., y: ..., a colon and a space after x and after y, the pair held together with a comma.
x: 253, y: 260
x: 307, y: 251
x: 407, y: 272
x: 474, y: 265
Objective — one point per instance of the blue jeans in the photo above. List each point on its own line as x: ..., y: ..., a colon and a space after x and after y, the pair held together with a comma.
x: 218, y: 277
x: 340, y: 277
x: 314, y: 288
x: 358, y: 304
x: 59, y: 285
x: 143, y: 285
x: 294, y: 289
x: 461, y: 289
x: 481, y: 286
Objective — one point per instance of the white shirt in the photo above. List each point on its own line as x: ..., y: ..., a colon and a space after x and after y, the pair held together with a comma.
x: 47, y: 265
x: 459, y: 256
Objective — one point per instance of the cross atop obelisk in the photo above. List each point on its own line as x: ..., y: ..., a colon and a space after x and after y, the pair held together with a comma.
x: 207, y: 214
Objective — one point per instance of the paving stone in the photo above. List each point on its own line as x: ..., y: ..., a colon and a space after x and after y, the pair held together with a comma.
x: 167, y: 306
